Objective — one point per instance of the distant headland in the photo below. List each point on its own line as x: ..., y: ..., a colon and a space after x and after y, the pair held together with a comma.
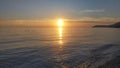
x: 115, y: 25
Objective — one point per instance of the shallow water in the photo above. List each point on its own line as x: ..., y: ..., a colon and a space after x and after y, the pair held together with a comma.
x: 24, y: 47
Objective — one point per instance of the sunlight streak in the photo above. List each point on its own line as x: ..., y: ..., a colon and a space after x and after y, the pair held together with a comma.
x: 60, y: 22
x: 60, y: 35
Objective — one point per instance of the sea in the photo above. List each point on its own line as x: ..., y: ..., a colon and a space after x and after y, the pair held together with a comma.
x: 60, y: 47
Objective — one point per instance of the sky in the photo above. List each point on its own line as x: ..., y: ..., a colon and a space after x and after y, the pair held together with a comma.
x: 34, y: 10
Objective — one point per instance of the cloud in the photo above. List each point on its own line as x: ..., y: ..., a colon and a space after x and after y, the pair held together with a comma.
x: 91, y: 11
x: 48, y: 21
x: 105, y: 19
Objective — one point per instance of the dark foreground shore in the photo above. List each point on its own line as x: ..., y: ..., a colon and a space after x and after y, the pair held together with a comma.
x: 102, y: 56
x: 114, y: 63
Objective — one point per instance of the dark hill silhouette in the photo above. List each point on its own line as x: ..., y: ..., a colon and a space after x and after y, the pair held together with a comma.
x: 115, y: 25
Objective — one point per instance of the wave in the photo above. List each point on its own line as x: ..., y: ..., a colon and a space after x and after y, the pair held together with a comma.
x: 23, y: 40
x: 50, y: 57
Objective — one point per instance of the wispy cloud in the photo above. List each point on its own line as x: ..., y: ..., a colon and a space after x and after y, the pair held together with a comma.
x: 105, y: 19
x: 91, y: 11
x: 48, y: 21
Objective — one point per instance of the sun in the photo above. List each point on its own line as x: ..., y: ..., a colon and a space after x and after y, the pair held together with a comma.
x: 60, y: 22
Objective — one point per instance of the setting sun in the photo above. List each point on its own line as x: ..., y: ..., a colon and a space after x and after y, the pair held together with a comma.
x: 60, y: 22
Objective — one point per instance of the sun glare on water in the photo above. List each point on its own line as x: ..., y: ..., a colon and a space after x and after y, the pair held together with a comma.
x: 60, y: 22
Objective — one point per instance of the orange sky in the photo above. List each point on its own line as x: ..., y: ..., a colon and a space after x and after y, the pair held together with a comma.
x: 53, y: 23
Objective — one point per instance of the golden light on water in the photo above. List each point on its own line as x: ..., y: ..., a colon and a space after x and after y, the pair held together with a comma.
x: 60, y: 22
x: 60, y: 33
x: 60, y: 30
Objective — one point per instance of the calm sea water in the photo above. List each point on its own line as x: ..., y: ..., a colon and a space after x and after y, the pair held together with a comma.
x: 23, y: 47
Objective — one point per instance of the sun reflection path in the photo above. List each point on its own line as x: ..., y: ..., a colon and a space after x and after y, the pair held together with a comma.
x: 60, y: 23
x: 60, y: 31
x: 59, y: 57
